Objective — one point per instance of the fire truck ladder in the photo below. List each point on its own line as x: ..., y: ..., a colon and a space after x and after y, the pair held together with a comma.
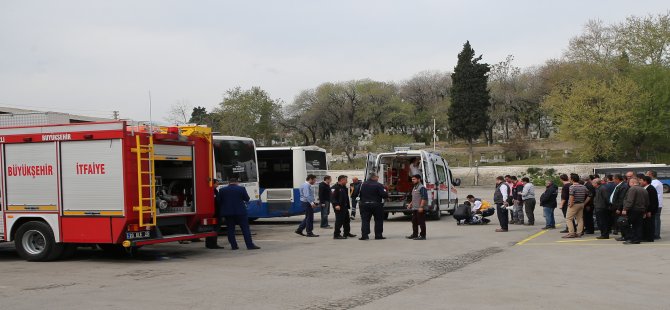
x: 146, y: 180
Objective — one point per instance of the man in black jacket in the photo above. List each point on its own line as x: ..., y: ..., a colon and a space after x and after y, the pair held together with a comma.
x: 601, y: 208
x: 324, y: 201
x: 589, y: 225
x: 372, y: 205
x: 548, y: 203
x: 635, y: 208
x: 355, y: 190
x: 340, y: 201
x: 648, y: 221
x: 616, y: 200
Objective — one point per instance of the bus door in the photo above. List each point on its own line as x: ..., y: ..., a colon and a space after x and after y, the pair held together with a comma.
x: 275, y: 168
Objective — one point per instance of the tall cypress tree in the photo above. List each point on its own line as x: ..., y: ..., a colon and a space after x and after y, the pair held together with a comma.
x: 468, y: 113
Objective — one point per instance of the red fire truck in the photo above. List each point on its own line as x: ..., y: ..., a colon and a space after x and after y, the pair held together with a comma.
x: 117, y: 186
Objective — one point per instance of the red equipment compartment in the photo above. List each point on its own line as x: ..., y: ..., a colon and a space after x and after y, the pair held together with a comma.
x: 86, y: 229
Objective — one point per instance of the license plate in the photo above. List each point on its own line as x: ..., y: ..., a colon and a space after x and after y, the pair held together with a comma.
x: 138, y: 235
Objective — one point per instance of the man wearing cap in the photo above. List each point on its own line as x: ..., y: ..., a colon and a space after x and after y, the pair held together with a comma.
x: 372, y: 195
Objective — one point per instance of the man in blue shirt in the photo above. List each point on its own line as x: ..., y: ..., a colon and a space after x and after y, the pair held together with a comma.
x: 232, y: 202
x: 307, y: 202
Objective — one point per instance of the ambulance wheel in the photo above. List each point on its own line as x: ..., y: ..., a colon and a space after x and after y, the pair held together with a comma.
x: 437, y: 214
x: 35, y: 242
x: 451, y: 212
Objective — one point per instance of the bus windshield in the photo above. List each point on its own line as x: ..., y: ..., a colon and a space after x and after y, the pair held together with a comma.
x: 315, y: 160
x: 235, y: 159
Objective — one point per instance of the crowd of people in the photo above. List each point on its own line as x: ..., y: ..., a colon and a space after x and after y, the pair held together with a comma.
x: 368, y: 196
x: 629, y: 206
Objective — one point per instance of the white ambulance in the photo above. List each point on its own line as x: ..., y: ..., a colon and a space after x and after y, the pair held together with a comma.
x: 395, y: 170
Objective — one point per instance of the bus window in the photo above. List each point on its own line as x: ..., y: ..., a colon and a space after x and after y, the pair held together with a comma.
x: 315, y: 160
x: 275, y: 168
x: 235, y: 158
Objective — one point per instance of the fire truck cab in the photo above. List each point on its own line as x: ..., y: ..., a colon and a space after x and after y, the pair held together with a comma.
x: 108, y: 184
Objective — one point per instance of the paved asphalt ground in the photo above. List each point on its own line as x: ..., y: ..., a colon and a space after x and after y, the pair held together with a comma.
x: 458, y: 267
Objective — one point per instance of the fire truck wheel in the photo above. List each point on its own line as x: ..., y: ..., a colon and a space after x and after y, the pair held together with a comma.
x: 35, y: 242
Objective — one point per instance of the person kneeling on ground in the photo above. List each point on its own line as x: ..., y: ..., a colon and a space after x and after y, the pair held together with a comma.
x: 479, y: 210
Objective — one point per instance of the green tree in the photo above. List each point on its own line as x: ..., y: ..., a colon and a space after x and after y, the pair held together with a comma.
x: 652, y: 114
x: 596, y: 114
x: 198, y: 115
x: 468, y: 113
x: 250, y: 113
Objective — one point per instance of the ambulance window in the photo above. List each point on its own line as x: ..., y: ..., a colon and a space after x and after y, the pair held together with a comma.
x: 441, y: 175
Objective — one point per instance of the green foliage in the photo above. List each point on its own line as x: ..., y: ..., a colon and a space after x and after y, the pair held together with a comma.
x: 468, y: 113
x: 596, y: 114
x: 250, y: 113
x: 538, y: 176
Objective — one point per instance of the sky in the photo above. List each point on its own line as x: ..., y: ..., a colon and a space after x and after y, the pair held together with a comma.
x: 93, y: 57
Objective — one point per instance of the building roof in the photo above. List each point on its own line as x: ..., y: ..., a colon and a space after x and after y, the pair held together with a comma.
x: 24, y: 117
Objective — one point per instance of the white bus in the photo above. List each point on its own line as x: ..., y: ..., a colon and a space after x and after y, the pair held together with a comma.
x: 236, y: 157
x: 281, y: 172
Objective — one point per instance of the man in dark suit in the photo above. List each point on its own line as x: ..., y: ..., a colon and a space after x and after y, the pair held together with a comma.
x: 635, y: 207
x: 648, y: 221
x: 232, y: 203
x: 324, y: 201
x: 616, y: 201
x: 602, y: 208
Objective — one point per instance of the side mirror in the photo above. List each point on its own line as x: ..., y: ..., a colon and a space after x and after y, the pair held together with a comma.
x: 457, y: 182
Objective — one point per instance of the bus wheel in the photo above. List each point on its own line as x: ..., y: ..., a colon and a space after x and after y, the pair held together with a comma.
x: 35, y: 242
x: 386, y: 215
x: 252, y: 219
x: 666, y: 188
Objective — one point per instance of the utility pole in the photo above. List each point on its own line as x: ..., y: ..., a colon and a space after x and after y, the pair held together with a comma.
x: 115, y: 115
x: 434, y: 135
